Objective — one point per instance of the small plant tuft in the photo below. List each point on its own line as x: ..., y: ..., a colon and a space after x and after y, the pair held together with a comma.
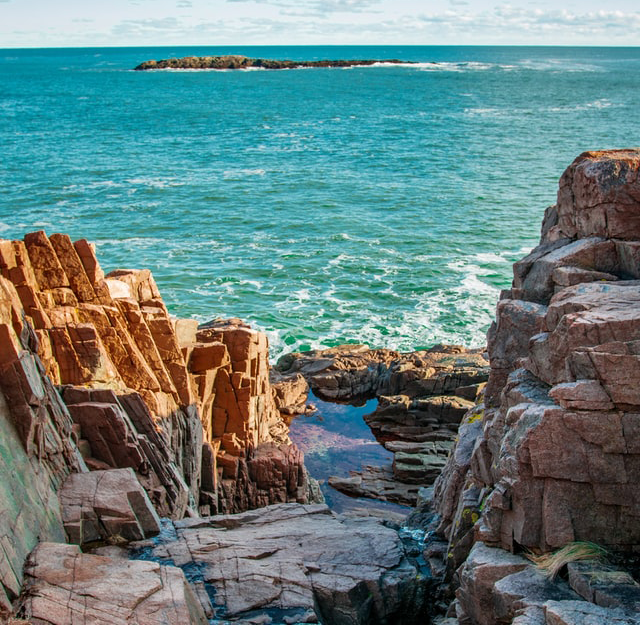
x: 552, y: 563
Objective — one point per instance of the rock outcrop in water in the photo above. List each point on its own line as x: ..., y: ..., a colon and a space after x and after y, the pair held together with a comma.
x: 422, y: 398
x: 236, y: 61
x: 557, y: 456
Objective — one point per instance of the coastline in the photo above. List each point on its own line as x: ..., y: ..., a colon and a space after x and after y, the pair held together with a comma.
x: 113, y: 413
x: 169, y: 161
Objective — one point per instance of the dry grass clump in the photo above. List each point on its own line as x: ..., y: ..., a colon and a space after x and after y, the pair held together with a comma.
x: 552, y: 563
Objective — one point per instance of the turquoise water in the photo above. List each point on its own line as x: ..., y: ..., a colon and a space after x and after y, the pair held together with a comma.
x: 380, y: 204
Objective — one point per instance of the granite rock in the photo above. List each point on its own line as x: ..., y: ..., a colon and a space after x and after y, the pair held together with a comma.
x: 301, y: 560
x: 106, y: 506
x: 66, y: 586
x: 556, y: 458
x: 145, y: 391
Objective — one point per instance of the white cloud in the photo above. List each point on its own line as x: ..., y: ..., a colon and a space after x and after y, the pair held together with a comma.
x: 317, y: 7
x: 503, y: 24
x: 265, y: 22
x: 509, y: 22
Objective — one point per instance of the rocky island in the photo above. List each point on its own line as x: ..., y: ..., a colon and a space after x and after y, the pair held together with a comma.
x: 148, y: 475
x: 236, y: 61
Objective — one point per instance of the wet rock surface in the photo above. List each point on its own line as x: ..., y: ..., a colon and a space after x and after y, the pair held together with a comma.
x: 422, y: 399
x: 236, y: 61
x: 296, y: 563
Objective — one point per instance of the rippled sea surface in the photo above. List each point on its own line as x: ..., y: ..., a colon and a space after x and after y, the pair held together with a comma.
x: 379, y: 204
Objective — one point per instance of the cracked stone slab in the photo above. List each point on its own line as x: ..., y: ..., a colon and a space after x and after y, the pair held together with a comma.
x: 102, y: 505
x: 301, y: 557
x: 66, y: 586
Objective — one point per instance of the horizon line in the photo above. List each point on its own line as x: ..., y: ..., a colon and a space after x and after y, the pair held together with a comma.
x: 323, y: 45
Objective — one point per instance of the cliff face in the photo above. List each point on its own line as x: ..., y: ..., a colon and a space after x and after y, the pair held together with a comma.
x: 557, y: 457
x: 95, y: 375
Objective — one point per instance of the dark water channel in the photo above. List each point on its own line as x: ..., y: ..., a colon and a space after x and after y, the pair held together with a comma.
x: 336, y: 440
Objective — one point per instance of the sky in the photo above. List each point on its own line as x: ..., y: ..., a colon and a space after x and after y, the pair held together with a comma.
x: 69, y: 23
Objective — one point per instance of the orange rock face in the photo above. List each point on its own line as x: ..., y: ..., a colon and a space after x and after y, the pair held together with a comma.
x: 144, y: 390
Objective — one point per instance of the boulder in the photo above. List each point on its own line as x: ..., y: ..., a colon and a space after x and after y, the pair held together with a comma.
x: 599, y: 195
x: 106, y: 506
x: 66, y: 586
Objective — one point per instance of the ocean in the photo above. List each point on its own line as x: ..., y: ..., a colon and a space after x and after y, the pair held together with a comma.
x: 380, y: 204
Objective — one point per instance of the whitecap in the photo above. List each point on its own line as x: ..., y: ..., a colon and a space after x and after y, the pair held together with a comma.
x: 156, y: 183
x: 602, y: 103
x: 241, y: 173
x: 486, y: 112
x: 340, y: 259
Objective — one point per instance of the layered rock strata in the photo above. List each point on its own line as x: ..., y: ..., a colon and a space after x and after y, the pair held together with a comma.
x: 557, y: 457
x: 236, y: 61
x: 422, y: 398
x: 95, y: 375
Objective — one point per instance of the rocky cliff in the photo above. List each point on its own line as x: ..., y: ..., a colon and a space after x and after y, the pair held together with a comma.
x: 102, y: 391
x: 555, y: 458
x: 113, y: 414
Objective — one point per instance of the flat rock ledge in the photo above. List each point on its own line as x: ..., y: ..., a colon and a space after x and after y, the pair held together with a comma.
x: 63, y: 585
x: 295, y: 563
x: 236, y: 61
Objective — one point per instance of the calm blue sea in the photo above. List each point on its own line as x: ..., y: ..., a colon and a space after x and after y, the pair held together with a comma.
x: 381, y: 204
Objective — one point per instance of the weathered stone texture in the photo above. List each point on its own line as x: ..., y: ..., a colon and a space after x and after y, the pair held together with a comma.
x: 498, y: 587
x: 66, y: 586
x: 599, y: 196
x: 304, y: 562
x: 137, y: 392
x: 559, y: 439
x: 169, y: 386
x: 102, y: 506
x: 37, y: 451
x: 557, y: 458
